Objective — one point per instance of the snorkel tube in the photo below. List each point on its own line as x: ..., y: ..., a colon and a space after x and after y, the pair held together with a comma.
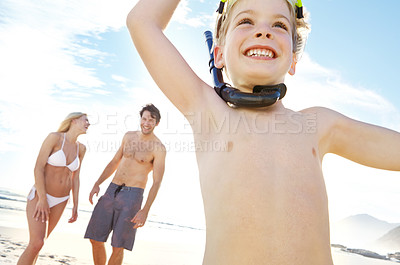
x: 262, y: 96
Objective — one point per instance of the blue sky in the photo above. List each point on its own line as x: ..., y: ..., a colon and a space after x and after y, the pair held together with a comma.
x: 62, y: 56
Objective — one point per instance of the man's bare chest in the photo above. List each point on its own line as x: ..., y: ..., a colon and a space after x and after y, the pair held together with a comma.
x: 139, y: 150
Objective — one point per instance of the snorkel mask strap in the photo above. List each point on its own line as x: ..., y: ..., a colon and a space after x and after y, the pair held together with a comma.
x: 299, y: 9
x: 221, y: 6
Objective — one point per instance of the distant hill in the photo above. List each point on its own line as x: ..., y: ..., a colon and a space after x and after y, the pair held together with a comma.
x: 391, y: 240
x: 359, y: 230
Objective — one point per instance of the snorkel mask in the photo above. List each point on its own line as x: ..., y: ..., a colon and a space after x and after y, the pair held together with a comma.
x: 262, y: 96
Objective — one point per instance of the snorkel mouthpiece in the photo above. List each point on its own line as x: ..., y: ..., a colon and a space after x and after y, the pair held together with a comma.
x: 262, y: 96
x: 281, y: 88
x: 266, y: 96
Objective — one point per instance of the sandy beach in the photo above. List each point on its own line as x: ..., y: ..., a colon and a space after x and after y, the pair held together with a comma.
x: 159, y: 242
x: 70, y: 248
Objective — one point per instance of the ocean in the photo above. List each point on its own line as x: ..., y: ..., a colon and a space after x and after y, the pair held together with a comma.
x: 13, y: 215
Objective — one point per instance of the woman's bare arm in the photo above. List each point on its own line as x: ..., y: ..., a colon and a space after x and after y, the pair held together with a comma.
x: 42, y: 208
x: 76, y: 185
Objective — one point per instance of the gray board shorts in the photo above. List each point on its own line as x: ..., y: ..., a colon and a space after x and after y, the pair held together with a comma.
x: 114, y: 212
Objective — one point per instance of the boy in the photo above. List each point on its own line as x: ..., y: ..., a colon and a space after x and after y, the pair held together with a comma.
x: 264, y: 199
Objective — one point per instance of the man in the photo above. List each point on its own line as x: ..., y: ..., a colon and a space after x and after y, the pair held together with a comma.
x: 119, y: 209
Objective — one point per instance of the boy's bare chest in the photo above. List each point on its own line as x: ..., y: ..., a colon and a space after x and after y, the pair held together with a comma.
x: 256, y: 124
x: 260, y: 145
x: 266, y: 151
x: 291, y: 132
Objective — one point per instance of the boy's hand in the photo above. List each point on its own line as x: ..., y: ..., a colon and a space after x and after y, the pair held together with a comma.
x: 139, y: 219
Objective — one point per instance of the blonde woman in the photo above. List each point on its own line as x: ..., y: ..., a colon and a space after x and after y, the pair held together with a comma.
x: 56, y: 174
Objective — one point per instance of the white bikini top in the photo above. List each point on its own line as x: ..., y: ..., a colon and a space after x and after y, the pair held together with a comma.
x: 58, y: 159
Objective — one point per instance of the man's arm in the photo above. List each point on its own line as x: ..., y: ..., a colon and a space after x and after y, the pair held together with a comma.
x: 364, y: 143
x: 108, y: 171
x: 158, y: 172
x: 173, y: 75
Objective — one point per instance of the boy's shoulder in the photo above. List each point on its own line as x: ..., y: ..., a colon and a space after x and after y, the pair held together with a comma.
x: 326, y: 119
x: 321, y: 112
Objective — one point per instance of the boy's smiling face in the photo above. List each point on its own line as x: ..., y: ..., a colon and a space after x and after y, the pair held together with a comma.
x: 258, y: 47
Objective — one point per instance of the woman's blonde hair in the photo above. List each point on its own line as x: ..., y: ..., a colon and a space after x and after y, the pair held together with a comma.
x: 299, y: 35
x: 66, y: 124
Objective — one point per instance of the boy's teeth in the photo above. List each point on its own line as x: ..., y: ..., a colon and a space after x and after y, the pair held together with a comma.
x: 260, y: 52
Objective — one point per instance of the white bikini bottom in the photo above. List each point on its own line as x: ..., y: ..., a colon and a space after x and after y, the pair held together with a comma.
x: 51, y: 200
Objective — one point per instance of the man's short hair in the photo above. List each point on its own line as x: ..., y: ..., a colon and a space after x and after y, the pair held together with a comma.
x: 154, y: 112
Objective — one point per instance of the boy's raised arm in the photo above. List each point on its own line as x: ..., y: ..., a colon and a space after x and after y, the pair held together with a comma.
x: 364, y: 143
x: 173, y: 75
